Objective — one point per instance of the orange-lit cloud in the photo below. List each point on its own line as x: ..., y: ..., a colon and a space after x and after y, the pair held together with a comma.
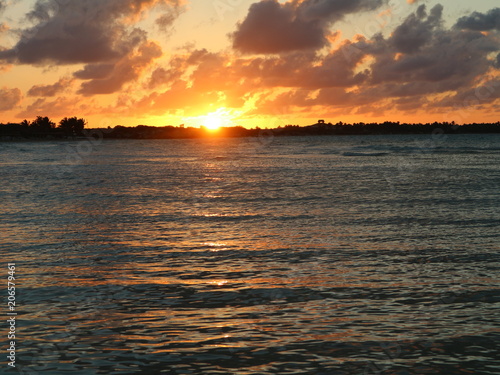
x: 51, y: 90
x: 9, y: 98
x: 58, y: 107
x: 129, y: 69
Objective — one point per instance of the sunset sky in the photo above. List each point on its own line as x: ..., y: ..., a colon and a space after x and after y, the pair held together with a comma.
x: 251, y: 63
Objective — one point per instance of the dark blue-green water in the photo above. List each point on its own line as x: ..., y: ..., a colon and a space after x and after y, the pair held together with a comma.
x: 286, y: 255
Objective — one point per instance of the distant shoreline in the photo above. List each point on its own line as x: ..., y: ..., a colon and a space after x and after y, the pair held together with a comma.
x: 16, y: 132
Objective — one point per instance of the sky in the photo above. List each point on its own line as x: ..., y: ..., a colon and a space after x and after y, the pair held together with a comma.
x: 250, y: 63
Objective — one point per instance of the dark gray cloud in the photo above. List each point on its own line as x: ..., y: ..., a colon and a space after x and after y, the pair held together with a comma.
x: 422, y: 51
x: 94, y: 71
x: 75, y: 31
x: 272, y: 27
x: 421, y: 57
x: 417, y: 29
x: 480, y: 21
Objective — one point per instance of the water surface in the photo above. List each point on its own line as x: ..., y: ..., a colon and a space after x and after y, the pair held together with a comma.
x: 286, y: 255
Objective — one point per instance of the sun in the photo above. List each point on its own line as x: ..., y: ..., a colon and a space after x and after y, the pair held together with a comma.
x: 213, y: 121
x: 216, y: 120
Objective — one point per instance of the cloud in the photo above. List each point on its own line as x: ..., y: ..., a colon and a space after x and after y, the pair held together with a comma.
x: 94, y: 71
x: 60, y: 106
x: 487, y: 92
x: 9, y: 98
x: 166, y: 20
x: 271, y: 27
x: 423, y: 65
x: 422, y: 51
x: 75, y: 31
x: 4, y: 28
x: 481, y: 22
x: 169, y: 15
x: 6, y: 3
x: 162, y: 76
x: 416, y: 30
x: 126, y: 70
x: 51, y: 90
x: 419, y: 59
x: 177, y: 67
x: 200, y: 79
x: 194, y: 79
x: 299, y: 69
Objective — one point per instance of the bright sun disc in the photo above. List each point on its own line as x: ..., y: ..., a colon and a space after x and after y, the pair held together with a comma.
x: 212, y: 121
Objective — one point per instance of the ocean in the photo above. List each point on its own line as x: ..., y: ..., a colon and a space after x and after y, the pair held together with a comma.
x: 270, y: 255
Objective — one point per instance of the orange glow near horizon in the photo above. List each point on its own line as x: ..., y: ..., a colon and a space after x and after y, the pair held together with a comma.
x: 222, y: 117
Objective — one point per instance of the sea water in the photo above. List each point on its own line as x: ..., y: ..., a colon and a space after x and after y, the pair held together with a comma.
x: 269, y: 255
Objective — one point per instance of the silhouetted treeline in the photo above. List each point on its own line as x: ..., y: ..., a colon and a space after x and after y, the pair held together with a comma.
x: 340, y: 128
x: 168, y: 132
x: 43, y: 128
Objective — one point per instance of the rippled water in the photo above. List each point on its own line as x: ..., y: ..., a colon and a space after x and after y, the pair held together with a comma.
x: 306, y: 255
